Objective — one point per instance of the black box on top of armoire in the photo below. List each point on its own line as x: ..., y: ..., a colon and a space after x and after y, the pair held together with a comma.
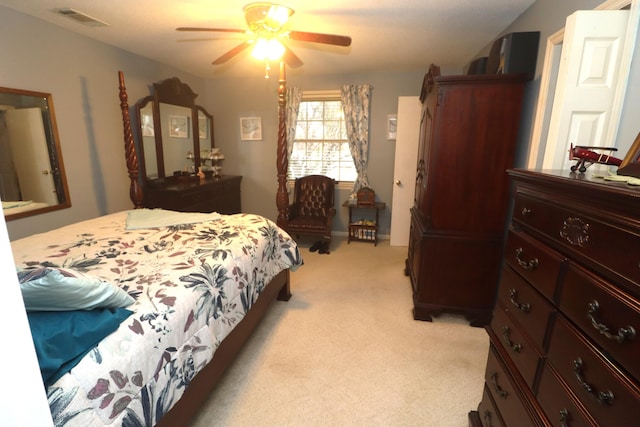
x: 514, y: 53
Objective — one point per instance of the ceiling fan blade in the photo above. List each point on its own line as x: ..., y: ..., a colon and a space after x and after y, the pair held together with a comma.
x: 233, y: 52
x: 217, y: 30
x: 320, y: 38
x: 291, y: 59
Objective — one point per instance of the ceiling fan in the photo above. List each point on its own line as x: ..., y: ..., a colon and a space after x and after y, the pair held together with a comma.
x: 267, y: 24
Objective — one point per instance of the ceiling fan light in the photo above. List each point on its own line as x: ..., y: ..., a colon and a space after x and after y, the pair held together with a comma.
x: 277, y: 16
x: 267, y: 49
x: 264, y: 16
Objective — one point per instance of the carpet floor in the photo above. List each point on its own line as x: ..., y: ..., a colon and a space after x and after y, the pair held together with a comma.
x: 346, y: 351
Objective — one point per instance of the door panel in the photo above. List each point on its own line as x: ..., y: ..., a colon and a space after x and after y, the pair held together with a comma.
x: 587, y: 83
x: 404, y: 171
x: 26, y: 125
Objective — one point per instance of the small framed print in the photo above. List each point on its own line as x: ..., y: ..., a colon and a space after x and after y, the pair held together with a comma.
x: 392, y: 126
x: 630, y: 166
x: 179, y: 126
x: 250, y: 128
x: 202, y: 127
x: 147, y: 125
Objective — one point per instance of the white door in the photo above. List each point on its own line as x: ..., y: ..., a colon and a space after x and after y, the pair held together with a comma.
x: 404, y: 169
x: 30, y: 155
x: 587, y: 84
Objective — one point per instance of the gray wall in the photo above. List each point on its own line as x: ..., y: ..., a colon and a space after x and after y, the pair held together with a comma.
x: 81, y: 74
x: 230, y: 99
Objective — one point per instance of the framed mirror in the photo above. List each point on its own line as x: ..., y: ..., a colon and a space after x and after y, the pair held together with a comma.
x: 175, y: 135
x: 32, y: 177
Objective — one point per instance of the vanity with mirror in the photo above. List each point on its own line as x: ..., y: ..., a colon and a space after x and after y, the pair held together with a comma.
x: 179, y: 163
x: 32, y: 177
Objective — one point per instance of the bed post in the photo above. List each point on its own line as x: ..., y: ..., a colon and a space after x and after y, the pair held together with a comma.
x: 282, y: 161
x: 135, y: 191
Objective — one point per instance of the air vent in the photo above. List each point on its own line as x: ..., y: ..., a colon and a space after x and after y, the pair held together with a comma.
x: 80, y: 17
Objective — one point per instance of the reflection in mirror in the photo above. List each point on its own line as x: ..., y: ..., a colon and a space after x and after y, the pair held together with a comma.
x: 175, y: 136
x: 32, y: 178
x: 148, y: 141
x: 205, y: 132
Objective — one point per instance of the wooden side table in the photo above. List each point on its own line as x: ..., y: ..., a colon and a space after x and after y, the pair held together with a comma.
x: 363, y: 230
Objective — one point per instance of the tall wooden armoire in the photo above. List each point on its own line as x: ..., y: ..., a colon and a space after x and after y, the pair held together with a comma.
x: 469, y: 129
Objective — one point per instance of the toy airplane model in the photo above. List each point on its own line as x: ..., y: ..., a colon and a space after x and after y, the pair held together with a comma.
x: 586, y: 156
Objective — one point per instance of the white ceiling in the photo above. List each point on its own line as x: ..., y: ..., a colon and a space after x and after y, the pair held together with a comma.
x: 388, y: 35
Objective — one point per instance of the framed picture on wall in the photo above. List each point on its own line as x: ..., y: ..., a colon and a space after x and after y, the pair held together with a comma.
x: 392, y: 126
x: 179, y: 126
x: 250, y: 128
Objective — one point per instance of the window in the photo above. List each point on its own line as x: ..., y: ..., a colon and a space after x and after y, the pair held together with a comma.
x: 320, y: 145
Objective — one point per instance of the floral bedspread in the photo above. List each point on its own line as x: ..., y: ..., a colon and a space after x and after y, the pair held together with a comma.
x: 192, y: 284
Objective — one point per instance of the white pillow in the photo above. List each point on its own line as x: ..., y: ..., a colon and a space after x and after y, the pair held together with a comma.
x: 62, y: 289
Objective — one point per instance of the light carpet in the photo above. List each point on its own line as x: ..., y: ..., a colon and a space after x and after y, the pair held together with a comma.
x: 346, y: 351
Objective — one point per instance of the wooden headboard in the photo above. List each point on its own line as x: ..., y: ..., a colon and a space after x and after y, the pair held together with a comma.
x: 282, y: 160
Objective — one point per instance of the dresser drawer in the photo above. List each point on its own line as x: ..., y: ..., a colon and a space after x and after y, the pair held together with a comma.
x: 608, y: 396
x: 219, y: 194
x: 194, y: 202
x: 610, y: 317
x: 527, y: 306
x: 607, y: 245
x: 504, y: 394
x: 488, y: 412
x: 523, y: 354
x: 558, y: 405
x: 536, y: 262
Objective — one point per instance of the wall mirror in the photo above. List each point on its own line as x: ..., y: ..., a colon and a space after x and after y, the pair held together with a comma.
x: 175, y: 135
x: 32, y: 177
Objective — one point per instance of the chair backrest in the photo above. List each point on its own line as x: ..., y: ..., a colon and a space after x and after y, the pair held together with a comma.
x: 314, y: 195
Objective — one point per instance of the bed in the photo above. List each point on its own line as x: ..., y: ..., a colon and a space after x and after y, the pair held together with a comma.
x: 193, y: 281
x: 185, y: 291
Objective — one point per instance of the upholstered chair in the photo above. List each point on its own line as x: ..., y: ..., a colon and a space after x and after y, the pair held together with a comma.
x: 312, y: 209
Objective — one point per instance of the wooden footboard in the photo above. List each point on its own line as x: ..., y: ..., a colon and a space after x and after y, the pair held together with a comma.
x: 200, y: 387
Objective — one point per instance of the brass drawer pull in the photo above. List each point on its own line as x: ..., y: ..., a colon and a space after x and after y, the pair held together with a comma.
x: 494, y: 380
x: 624, y: 334
x: 526, y: 211
x: 505, y: 337
x: 604, y: 397
x: 522, y: 306
x: 575, y: 231
x: 527, y: 265
x: 565, y: 418
x: 487, y: 419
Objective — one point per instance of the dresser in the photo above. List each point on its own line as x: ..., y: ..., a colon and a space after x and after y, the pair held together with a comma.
x: 565, y: 344
x: 220, y: 194
x: 467, y: 141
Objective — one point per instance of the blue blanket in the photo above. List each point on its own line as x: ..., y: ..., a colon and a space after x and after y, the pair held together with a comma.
x: 62, y: 338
